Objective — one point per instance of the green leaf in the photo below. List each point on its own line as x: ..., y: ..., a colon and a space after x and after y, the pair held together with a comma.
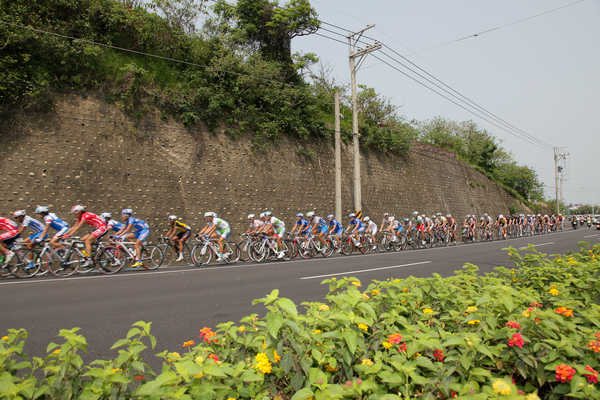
x: 289, y: 306
x: 425, y: 363
x: 133, y: 332
x: 251, y: 376
x: 121, y: 342
x: 350, y: 337
x: 465, y: 361
x: 214, y: 370
x: 303, y: 394
x: 274, y: 323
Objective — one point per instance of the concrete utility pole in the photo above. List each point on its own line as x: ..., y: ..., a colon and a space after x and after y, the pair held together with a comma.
x: 338, y: 161
x: 357, y: 53
x: 558, y: 157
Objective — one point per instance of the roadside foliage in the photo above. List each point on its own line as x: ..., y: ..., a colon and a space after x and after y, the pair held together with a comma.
x: 527, y: 332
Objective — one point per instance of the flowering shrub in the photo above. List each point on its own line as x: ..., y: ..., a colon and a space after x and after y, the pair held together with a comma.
x: 525, y: 333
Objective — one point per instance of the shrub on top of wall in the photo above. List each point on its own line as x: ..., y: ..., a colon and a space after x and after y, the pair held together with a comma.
x: 525, y: 333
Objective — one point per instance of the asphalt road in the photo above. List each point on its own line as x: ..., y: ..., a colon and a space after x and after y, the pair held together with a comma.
x: 179, y: 301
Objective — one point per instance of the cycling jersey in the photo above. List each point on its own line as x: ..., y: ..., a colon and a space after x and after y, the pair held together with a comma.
x: 256, y: 223
x: 418, y: 221
x: 55, y: 223
x: 303, y: 223
x: 11, y: 231
x: 136, y: 223
x: 92, y: 219
x: 220, y: 223
x: 337, y: 227
x: 359, y: 224
x: 319, y: 221
x: 277, y: 223
x: 371, y: 226
x: 33, y: 224
x: 181, y: 227
x: 114, y: 225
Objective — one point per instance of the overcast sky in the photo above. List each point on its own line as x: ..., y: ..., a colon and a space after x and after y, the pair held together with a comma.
x: 535, y: 69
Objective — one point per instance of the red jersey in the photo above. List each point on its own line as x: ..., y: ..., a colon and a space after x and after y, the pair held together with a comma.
x: 8, y: 225
x: 92, y: 219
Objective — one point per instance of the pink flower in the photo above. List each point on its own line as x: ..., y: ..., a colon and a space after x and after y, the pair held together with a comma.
x: 513, y: 325
x: 593, y: 377
x: 402, y: 347
x: 516, y: 340
x: 395, y: 338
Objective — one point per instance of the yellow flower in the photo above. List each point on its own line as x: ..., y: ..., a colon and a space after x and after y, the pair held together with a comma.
x: 532, y: 396
x: 264, y: 345
x: 554, y: 292
x: 526, y: 313
x: 276, y: 356
x: 5, y: 338
x: 365, y: 296
x: 472, y: 309
x: 317, y: 331
x: 558, y: 259
x: 501, y: 387
x: 176, y: 355
x: 374, y: 292
x: 357, y: 284
x: 116, y: 370
x: 416, y: 355
x: 324, y: 307
x: 473, y: 322
x: 387, y: 345
x: 405, y: 289
x: 363, y: 327
x: 366, y: 361
x: 241, y: 329
x: 199, y: 360
x: 428, y: 311
x: 263, y: 363
x: 231, y: 398
x: 56, y: 351
x: 329, y: 368
x: 199, y: 375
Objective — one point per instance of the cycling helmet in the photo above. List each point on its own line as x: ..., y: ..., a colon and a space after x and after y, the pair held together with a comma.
x: 439, y: 214
x: 172, y: 217
x: 330, y: 216
x: 268, y: 213
x: 366, y: 219
x: 262, y: 215
x: 209, y: 214
x: 481, y: 219
x: 500, y: 216
x: 106, y: 215
x: 352, y: 215
x: 449, y: 216
x: 127, y: 211
x: 310, y: 214
x: 485, y: 214
x: 41, y: 209
x: 422, y: 215
x: 300, y: 215
x: 415, y: 213
x: 77, y: 209
x: 250, y: 216
x: 385, y: 214
x: 406, y: 220
x: 19, y: 213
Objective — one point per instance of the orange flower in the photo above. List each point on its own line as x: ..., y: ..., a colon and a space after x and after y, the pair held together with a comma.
x: 395, y: 338
x: 513, y: 325
x: 188, y: 344
x: 207, y: 334
x: 564, y: 373
x: 564, y: 311
x: 593, y: 377
x: 594, y: 345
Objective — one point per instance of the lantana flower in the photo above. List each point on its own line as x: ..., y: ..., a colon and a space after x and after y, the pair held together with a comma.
x: 262, y: 363
x: 428, y: 311
x: 207, y: 334
x: 395, y: 338
x: 473, y: 322
x: 363, y: 327
x: 439, y: 355
x: 367, y: 361
x: 564, y: 311
x: 516, y: 340
x: 501, y: 387
x: 513, y: 325
x: 593, y: 377
x: 564, y: 373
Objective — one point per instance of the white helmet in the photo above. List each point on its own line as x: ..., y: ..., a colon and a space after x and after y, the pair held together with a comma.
x: 41, y: 209
x: 385, y: 214
x: 106, y: 215
x: 209, y: 214
x: 415, y: 213
x: 250, y: 216
x: 500, y: 216
x: 310, y: 214
x: 366, y: 219
x: 172, y: 217
x: 330, y: 216
x: 77, y: 209
x: 352, y: 215
x: 268, y: 213
x: 127, y: 211
x: 262, y: 215
x: 19, y: 213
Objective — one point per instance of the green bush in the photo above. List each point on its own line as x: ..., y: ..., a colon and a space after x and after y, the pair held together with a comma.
x: 524, y: 333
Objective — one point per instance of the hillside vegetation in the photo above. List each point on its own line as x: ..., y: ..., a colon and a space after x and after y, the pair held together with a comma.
x: 215, y: 63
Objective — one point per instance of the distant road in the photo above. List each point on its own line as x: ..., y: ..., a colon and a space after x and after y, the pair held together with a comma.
x: 179, y: 301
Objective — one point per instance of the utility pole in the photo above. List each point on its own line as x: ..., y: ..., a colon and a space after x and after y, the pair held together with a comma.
x: 360, y: 54
x: 338, y: 161
x: 558, y: 157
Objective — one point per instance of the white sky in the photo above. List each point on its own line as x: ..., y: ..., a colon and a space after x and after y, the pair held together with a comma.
x: 541, y: 75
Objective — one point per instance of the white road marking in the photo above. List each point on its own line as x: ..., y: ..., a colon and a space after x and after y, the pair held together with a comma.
x: 365, y: 270
x: 535, y: 245
x: 591, y: 235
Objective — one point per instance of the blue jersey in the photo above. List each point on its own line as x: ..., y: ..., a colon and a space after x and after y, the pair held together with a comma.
x: 304, y: 223
x: 114, y: 225
x: 319, y: 221
x: 359, y: 224
x: 33, y: 224
x: 336, y: 225
x: 138, y: 224
x: 55, y: 223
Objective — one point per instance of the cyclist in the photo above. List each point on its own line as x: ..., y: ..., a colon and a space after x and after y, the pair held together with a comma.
x: 33, y: 224
x: 357, y: 227
x: 216, y: 228
x: 301, y: 226
x: 94, y: 221
x: 501, y: 222
x: 451, y: 225
x: 180, y: 231
x: 336, y: 229
x: 320, y: 225
x: 112, y: 224
x: 371, y: 229
x: 255, y: 224
x: 141, y: 233
x: 275, y: 227
x: 386, y: 224
x: 11, y: 233
x: 51, y: 221
x: 417, y: 222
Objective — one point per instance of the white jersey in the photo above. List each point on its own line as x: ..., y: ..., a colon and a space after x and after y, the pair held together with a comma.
x: 277, y: 223
x: 220, y: 223
x: 256, y: 223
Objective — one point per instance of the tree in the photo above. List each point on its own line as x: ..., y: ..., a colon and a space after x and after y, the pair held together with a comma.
x: 181, y: 14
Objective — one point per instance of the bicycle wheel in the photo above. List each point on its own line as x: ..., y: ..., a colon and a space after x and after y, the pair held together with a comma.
x: 201, y: 255
x: 347, y: 246
x: 244, y: 247
x: 307, y: 249
x: 169, y: 254
x: 63, y: 262
x: 295, y: 247
x: 152, y: 256
x: 23, y: 265
x: 328, y: 250
x: 232, y: 252
x: 365, y: 245
x: 384, y: 243
x: 109, y: 260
